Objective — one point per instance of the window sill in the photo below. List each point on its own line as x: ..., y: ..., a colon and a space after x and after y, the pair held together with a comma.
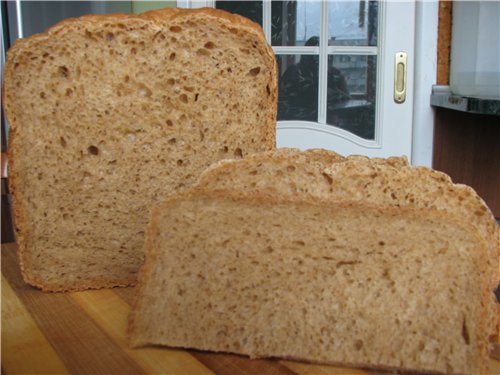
x: 443, y: 97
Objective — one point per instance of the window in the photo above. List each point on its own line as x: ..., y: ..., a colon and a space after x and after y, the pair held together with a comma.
x: 327, y: 58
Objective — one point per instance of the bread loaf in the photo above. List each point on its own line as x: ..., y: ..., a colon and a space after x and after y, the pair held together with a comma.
x: 289, y: 254
x: 325, y: 174
x: 110, y: 114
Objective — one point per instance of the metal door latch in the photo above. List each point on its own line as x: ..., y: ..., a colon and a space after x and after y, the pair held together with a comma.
x: 400, y: 77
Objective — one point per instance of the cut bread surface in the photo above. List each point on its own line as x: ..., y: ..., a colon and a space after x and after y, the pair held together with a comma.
x: 313, y: 256
x: 313, y: 281
x: 379, y: 181
x: 110, y: 114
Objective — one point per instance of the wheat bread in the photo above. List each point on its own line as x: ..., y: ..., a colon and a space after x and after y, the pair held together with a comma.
x: 387, y: 181
x: 325, y: 174
x: 283, y: 170
x: 318, y: 274
x: 110, y: 114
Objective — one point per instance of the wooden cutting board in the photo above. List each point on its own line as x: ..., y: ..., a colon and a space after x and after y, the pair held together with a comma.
x: 84, y: 333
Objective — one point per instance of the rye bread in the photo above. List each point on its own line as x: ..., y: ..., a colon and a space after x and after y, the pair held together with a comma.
x: 110, y: 114
x: 287, y: 268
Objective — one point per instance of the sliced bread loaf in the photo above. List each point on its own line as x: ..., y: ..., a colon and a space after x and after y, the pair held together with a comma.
x: 110, y: 114
x: 322, y: 274
x: 325, y: 174
x: 392, y: 182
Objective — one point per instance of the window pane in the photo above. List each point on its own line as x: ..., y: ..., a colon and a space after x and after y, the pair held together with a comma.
x: 38, y: 16
x: 249, y: 9
x: 352, y: 23
x: 295, y: 23
x: 351, y: 93
x: 298, y: 87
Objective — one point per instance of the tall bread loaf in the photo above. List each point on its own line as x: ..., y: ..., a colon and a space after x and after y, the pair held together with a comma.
x: 110, y: 114
x: 312, y: 256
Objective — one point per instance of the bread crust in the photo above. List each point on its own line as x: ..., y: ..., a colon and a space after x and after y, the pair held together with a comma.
x: 160, y: 19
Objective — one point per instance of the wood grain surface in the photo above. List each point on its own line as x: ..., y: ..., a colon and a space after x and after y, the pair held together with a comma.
x: 444, y: 42
x: 84, y: 333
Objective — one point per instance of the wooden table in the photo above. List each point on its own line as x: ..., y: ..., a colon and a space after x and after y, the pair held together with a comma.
x: 84, y: 333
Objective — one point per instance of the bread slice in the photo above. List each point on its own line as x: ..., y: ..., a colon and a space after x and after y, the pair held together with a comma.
x: 325, y: 174
x: 284, y: 171
x: 110, y: 114
x: 285, y: 268
x: 392, y: 182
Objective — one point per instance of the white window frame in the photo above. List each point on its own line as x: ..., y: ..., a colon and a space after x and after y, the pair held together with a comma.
x: 323, y: 51
x: 195, y: 3
x: 426, y: 29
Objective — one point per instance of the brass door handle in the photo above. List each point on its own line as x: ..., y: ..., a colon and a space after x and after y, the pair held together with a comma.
x: 400, y: 68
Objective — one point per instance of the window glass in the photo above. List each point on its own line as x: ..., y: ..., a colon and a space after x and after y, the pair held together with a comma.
x: 249, y: 9
x: 294, y: 23
x: 298, y: 87
x: 352, y: 23
x: 37, y: 16
x: 351, y: 93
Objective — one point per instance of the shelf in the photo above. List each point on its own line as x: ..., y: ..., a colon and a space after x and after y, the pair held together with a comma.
x: 442, y: 97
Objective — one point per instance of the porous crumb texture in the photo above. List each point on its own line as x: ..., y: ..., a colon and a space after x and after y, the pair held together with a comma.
x: 378, y: 181
x: 284, y: 171
x: 310, y: 255
x: 346, y: 283
x: 109, y: 114
x: 388, y: 182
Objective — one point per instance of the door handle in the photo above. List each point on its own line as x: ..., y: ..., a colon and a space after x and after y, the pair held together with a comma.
x: 400, y: 67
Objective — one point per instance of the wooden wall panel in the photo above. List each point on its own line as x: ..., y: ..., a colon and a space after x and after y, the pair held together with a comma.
x: 444, y: 42
x: 467, y: 147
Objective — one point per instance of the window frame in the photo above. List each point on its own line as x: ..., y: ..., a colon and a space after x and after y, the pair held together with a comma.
x: 323, y: 51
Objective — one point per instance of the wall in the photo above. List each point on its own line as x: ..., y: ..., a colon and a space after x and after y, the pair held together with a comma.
x: 467, y: 147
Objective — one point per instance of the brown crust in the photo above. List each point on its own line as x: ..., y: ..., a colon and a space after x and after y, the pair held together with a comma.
x: 88, y: 284
x: 312, y: 362
x: 199, y: 192
x: 161, y: 18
